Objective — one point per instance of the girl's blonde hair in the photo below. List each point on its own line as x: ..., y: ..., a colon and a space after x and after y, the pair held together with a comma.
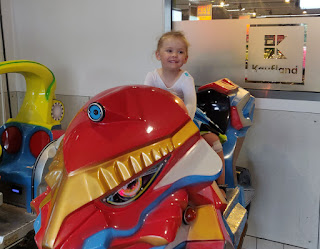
x: 173, y: 34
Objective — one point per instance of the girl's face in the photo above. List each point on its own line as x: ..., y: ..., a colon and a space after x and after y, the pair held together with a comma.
x: 172, y: 54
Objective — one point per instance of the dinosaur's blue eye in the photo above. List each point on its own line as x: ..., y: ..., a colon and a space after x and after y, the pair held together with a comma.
x: 95, y: 112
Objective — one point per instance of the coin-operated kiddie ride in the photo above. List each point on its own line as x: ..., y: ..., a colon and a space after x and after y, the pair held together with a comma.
x: 228, y: 111
x: 133, y: 171
x: 23, y: 138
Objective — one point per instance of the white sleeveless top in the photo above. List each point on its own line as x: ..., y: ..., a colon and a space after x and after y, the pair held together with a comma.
x: 183, y: 88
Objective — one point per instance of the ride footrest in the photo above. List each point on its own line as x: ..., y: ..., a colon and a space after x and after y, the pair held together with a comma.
x: 15, y: 224
x: 249, y: 193
x: 235, y: 214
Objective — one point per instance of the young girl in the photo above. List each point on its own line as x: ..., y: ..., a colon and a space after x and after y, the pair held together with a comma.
x: 172, y: 52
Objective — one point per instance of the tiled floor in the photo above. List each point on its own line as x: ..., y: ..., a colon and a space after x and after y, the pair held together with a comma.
x: 256, y: 243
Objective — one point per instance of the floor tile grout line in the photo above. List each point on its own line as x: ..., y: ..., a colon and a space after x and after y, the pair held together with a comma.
x: 284, y: 244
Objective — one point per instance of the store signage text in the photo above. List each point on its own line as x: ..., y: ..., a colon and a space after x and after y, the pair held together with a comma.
x: 204, y: 10
x: 284, y: 70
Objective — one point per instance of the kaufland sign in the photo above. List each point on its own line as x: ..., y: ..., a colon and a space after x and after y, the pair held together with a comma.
x: 275, y: 54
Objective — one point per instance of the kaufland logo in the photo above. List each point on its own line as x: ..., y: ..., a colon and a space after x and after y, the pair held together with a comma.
x: 275, y: 53
x: 273, y: 48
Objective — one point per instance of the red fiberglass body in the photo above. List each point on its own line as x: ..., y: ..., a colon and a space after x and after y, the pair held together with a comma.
x: 133, y: 172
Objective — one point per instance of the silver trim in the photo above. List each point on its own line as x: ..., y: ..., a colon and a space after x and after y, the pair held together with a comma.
x: 42, y: 165
x: 276, y: 94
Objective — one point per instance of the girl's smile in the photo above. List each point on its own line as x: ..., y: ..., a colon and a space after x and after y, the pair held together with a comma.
x: 173, y: 54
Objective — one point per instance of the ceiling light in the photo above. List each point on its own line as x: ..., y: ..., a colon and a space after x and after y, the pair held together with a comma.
x: 287, y: 1
x: 222, y: 3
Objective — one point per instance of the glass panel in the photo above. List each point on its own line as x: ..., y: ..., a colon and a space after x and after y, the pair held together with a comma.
x: 280, y: 55
x: 244, y: 9
x: 269, y: 40
x: 309, y: 4
x: 269, y: 53
x: 280, y: 38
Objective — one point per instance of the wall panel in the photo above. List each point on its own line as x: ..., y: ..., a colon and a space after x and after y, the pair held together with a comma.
x: 89, y: 45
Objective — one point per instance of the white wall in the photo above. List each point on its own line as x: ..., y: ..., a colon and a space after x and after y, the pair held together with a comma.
x: 89, y: 45
x: 281, y: 150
